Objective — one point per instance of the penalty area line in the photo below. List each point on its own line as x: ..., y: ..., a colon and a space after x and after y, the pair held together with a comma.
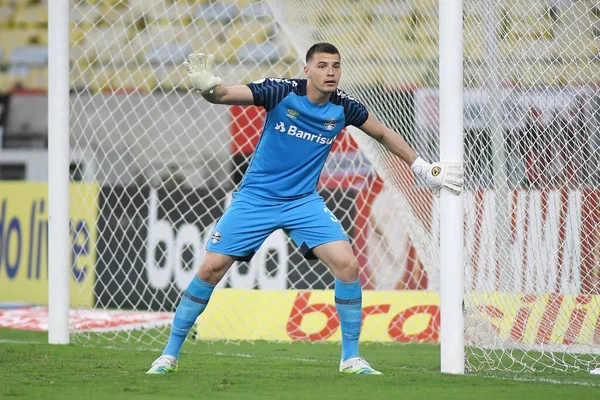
x: 150, y: 349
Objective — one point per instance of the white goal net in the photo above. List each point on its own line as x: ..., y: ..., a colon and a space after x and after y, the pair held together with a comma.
x: 163, y: 164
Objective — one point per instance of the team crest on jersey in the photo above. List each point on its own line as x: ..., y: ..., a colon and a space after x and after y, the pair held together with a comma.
x: 216, y: 237
x: 292, y: 113
x: 330, y: 124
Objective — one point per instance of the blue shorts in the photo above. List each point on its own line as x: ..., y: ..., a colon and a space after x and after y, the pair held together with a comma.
x: 249, y: 220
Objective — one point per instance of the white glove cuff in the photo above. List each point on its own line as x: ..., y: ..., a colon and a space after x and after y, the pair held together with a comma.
x: 419, y: 166
x: 211, y: 91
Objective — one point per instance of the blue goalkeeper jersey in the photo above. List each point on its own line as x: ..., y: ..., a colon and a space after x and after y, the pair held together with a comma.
x: 296, y: 139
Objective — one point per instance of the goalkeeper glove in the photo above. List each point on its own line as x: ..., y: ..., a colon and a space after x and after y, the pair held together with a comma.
x: 200, y: 70
x: 447, y: 175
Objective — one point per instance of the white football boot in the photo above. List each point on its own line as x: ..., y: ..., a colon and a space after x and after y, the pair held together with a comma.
x: 163, y: 365
x: 358, y: 366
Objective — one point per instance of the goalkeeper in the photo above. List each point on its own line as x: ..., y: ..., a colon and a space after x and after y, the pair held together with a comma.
x: 278, y: 191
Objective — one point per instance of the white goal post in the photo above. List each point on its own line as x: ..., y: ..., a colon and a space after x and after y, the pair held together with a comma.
x: 452, y: 218
x: 59, y: 242
x: 510, y: 87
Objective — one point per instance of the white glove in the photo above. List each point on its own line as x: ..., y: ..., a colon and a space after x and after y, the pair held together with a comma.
x: 200, y: 70
x: 447, y: 175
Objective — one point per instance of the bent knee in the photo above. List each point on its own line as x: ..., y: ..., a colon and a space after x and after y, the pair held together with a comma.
x: 214, y: 267
x: 348, y: 270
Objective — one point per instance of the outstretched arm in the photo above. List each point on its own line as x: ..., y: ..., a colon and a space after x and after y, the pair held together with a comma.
x: 239, y: 95
x: 447, y: 175
x: 390, y: 139
x: 200, y: 69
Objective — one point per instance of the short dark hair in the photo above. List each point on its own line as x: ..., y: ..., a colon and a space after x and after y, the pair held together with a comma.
x: 322, y: 47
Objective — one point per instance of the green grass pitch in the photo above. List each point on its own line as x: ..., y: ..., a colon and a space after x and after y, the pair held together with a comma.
x: 31, y: 369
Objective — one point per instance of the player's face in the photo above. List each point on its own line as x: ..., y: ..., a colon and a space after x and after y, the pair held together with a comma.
x: 324, y: 71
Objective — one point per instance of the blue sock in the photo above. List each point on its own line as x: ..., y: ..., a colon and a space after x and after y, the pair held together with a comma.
x: 348, y: 303
x: 193, y: 302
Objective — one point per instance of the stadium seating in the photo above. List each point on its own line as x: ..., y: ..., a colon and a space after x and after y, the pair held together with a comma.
x: 560, y: 44
x: 31, y: 17
x: 6, y: 16
x: 141, y: 79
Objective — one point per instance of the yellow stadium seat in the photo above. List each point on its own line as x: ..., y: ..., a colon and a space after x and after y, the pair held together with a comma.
x: 5, y: 82
x: 32, y: 17
x: 80, y: 75
x: 509, y: 48
x: 241, y: 33
x: 84, y: 50
x: 116, y: 3
x: 582, y: 47
x: 575, y: 37
x: 20, y: 4
x: 104, y: 44
x: 575, y: 21
x: 526, y: 6
x: 17, y: 80
x: 109, y: 15
x: 5, y: 46
x: 426, y: 6
x: 427, y: 28
x: 475, y: 46
x: 325, y: 12
x: 474, y: 37
x: 352, y: 39
x: 77, y: 36
x: 91, y: 2
x: 531, y: 26
x: 537, y: 74
x: 21, y: 36
x: 84, y: 14
x: 253, y: 74
x: 41, y: 35
x: 157, y: 32
x: 239, y: 3
x: 11, y: 38
x: 6, y: 16
x: 474, y: 9
x: 408, y: 75
x: 164, y: 11
x: 479, y: 74
x: 197, y: 37
x: 349, y: 37
x: 472, y: 74
x: 132, y: 79
x: 362, y: 74
x: 36, y: 79
x: 540, y: 48
x: 583, y: 73
x: 392, y: 47
x: 174, y: 78
x: 99, y: 78
x: 289, y: 55
x: 223, y: 52
x: 278, y: 70
x: 133, y: 50
x: 399, y: 27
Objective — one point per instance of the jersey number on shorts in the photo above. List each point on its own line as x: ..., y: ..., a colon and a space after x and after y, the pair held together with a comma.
x: 331, y: 215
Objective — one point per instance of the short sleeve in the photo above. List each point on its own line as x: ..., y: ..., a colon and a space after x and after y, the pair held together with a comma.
x: 356, y: 113
x: 269, y: 92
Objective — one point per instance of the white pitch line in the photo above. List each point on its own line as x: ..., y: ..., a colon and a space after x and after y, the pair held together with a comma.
x: 205, y: 353
x: 21, y: 341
